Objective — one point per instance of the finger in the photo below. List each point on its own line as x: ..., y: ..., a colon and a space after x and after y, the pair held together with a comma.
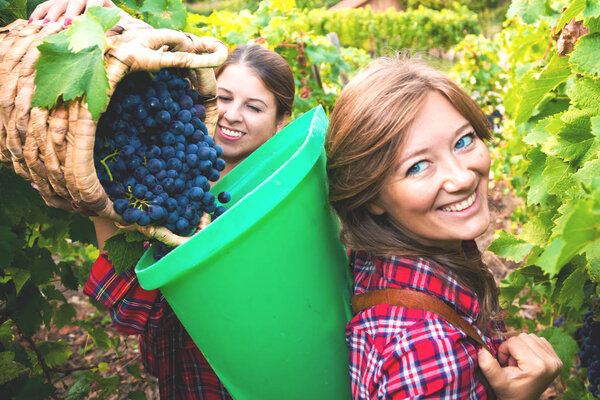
x: 491, y: 369
x: 75, y: 8
x: 92, y: 3
x: 40, y: 11
x: 56, y: 11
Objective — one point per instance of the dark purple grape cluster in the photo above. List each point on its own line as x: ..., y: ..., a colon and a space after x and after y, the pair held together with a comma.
x: 153, y: 155
x: 589, y: 350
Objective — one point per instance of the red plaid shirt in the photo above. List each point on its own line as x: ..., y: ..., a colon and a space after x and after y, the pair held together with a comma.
x: 167, y: 350
x: 397, y: 352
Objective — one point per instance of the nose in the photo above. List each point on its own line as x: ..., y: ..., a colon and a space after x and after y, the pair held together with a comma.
x: 458, y: 176
x: 231, y: 112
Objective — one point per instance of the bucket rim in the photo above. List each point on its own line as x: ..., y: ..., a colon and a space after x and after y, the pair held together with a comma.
x: 251, y: 208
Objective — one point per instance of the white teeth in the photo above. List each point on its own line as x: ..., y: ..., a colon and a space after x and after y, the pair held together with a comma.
x: 231, y: 133
x: 462, y: 205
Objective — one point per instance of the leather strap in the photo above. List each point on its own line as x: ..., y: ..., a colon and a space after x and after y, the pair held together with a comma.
x: 422, y: 301
x: 417, y: 300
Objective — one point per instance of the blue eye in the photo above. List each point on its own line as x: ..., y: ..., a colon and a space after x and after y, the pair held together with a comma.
x: 415, y: 169
x: 465, y: 141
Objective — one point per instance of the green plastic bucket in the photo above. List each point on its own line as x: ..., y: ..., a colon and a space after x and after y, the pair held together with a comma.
x: 264, y: 290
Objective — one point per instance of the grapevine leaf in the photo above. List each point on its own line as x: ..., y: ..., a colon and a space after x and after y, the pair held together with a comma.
x: 564, y: 345
x: 81, y: 230
x: 571, y: 292
x: 51, y: 293
x: 19, y: 277
x: 564, y: 211
x: 134, y: 236
x: 537, y: 229
x: 54, y: 353
x: 132, y: 4
x: 589, y: 170
x: 585, y: 94
x: 529, y: 10
x: 537, y: 193
x: 14, y: 8
x: 557, y: 176
x: 61, y: 72
x: 9, y: 369
x: 536, y: 85
x: 574, y: 142
x: 34, y: 388
x: 511, y: 286
x: 549, y: 258
x: 592, y: 9
x: 135, y: 371
x: 596, y: 126
x: 582, y: 229
x: 593, y: 269
x: 123, y: 254
x: 8, y: 244
x: 80, y: 389
x: 89, y: 29
x: 571, y: 12
x: 64, y: 315
x: 165, y: 13
x: 136, y: 395
x: 100, y: 337
x: 539, y: 134
x: 509, y: 247
x: 585, y: 59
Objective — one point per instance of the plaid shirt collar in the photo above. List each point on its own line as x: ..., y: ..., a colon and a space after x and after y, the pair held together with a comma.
x: 417, y: 273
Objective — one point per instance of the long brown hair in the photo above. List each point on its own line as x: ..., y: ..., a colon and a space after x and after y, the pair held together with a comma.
x: 274, y: 72
x: 365, y: 133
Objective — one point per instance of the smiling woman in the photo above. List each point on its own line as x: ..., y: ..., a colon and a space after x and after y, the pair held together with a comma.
x: 408, y: 173
x: 255, y: 89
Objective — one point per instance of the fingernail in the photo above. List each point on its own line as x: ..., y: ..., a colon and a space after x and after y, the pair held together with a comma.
x: 46, y: 21
x: 68, y: 21
x: 30, y: 20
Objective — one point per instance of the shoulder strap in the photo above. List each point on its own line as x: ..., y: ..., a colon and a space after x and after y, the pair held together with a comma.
x: 417, y: 300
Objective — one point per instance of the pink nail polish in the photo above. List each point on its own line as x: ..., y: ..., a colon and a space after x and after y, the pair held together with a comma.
x: 46, y: 21
x: 68, y: 21
x: 30, y: 20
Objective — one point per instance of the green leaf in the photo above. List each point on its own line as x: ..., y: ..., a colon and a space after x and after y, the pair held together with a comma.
x: 88, y: 30
x: 59, y: 72
x: 549, y: 258
x: 529, y: 10
x: 102, y: 367
x: 100, y: 338
x: 537, y: 193
x: 9, y: 369
x: 585, y: 58
x: 539, y: 134
x: 558, y: 176
x: 81, y: 229
x: 537, y: 84
x: 80, y: 389
x: 54, y: 353
x: 11, y: 10
x: 564, y: 345
x: 8, y: 244
x: 136, y: 395
x: 165, y: 13
x: 571, y: 12
x: 122, y: 253
x: 135, y: 371
x: 64, y: 315
x: 592, y: 9
x: 585, y: 94
x: 571, y: 292
x: 509, y: 247
x: 589, y: 170
x: 537, y: 229
x: 574, y: 142
x: 34, y: 388
x: 19, y: 277
x: 581, y: 229
x: 593, y: 269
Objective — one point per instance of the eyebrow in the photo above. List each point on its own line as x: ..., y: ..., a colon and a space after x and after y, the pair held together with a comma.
x: 460, y: 129
x: 251, y: 98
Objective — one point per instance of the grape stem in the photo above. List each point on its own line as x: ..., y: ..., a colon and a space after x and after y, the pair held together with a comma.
x: 103, y: 162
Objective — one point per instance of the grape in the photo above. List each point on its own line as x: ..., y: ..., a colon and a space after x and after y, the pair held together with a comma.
x: 153, y: 156
x: 224, y: 197
x: 589, y: 336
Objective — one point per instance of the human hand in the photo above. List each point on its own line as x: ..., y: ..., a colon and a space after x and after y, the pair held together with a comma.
x: 531, y: 366
x: 66, y: 10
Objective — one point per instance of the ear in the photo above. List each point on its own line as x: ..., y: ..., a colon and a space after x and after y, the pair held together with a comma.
x: 282, y: 121
x: 375, y: 208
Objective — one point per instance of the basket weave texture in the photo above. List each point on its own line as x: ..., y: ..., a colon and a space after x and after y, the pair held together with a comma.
x: 54, y: 148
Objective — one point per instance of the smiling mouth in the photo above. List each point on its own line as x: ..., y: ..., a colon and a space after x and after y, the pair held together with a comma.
x: 462, y: 205
x: 232, y: 133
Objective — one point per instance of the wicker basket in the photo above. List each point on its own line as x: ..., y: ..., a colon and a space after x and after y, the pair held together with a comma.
x: 54, y: 148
